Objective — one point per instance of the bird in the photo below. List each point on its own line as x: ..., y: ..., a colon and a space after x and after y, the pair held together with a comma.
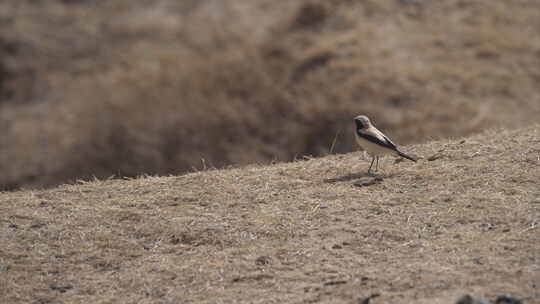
x: 375, y: 142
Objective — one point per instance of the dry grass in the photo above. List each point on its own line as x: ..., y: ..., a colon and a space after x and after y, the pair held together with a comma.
x: 156, y: 87
x: 464, y: 219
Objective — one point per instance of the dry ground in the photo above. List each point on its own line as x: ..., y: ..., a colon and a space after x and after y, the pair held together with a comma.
x: 464, y: 219
x: 129, y: 87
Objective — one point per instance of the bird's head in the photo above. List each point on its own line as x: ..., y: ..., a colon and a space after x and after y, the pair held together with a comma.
x: 362, y: 122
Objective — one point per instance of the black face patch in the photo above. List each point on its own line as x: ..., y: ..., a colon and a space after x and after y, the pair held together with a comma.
x: 359, y: 124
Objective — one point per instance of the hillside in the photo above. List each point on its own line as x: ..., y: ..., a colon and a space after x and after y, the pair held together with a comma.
x: 101, y: 88
x: 463, y: 220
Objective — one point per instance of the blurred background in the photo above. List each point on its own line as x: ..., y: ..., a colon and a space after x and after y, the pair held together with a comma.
x: 126, y: 87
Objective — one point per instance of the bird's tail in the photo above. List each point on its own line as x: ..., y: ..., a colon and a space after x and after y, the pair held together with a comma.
x: 406, y: 156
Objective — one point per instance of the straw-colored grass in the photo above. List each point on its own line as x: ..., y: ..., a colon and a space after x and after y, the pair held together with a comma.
x: 465, y: 219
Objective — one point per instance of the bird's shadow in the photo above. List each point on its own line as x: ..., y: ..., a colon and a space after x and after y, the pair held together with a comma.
x: 350, y: 177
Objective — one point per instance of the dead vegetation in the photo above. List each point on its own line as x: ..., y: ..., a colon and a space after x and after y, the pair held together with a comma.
x: 464, y: 222
x: 166, y: 86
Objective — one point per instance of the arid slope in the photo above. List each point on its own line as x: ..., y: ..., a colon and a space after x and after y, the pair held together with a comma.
x: 101, y: 88
x: 465, y: 219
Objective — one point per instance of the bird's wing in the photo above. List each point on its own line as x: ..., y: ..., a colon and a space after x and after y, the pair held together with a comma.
x: 390, y: 143
x: 377, y: 137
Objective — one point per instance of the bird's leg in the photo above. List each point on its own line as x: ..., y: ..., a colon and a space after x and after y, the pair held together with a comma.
x: 372, y: 160
x: 377, y: 166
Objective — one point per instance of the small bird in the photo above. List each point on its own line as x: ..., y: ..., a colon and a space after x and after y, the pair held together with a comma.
x: 374, y: 141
